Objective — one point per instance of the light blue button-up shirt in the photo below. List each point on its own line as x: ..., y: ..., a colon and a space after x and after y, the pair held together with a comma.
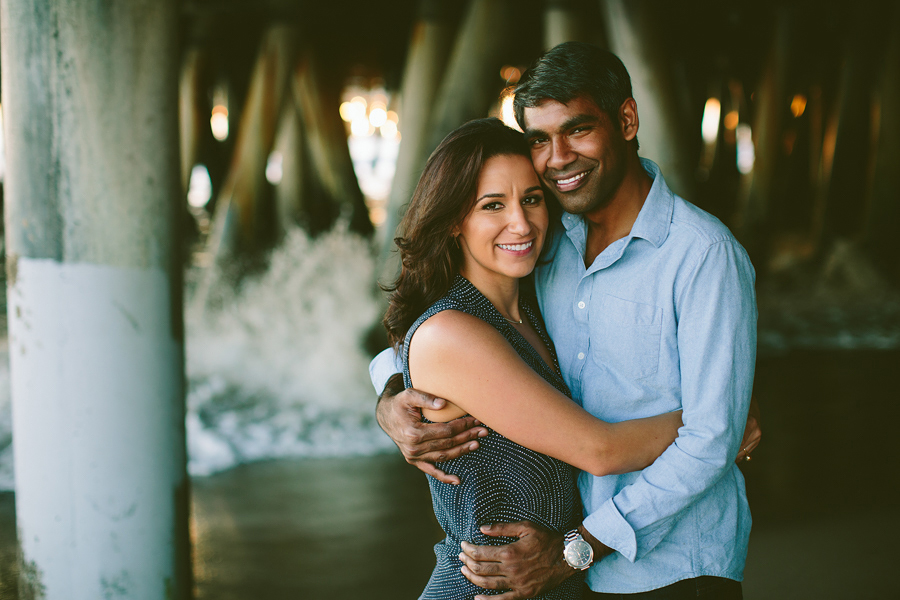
x: 663, y: 319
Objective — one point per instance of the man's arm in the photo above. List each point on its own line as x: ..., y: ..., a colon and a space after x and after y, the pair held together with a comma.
x: 717, y: 354
x: 399, y: 413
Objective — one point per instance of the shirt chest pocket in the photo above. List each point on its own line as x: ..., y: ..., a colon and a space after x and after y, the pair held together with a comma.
x: 625, y: 336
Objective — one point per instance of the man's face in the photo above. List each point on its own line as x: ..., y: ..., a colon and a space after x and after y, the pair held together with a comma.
x: 578, y: 152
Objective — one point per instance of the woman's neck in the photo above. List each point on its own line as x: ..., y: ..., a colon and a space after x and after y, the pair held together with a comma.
x: 502, y: 291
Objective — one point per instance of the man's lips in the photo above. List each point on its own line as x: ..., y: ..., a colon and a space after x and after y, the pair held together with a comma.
x: 567, y: 184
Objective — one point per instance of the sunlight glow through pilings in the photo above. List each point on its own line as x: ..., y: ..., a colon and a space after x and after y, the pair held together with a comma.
x: 710, y: 125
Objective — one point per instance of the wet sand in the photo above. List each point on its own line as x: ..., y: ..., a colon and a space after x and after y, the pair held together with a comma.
x: 822, y: 489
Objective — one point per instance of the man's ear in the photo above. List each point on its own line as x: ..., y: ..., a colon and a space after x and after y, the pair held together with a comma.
x: 628, y: 119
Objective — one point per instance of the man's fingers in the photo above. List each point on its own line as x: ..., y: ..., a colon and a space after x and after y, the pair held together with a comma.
x: 482, y: 553
x: 482, y: 569
x: 510, y: 595
x: 516, y: 529
x: 432, y: 437
x: 488, y: 583
x: 432, y: 470
x: 410, y: 398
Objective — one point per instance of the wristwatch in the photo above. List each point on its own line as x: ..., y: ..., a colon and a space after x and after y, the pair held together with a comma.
x: 577, y: 552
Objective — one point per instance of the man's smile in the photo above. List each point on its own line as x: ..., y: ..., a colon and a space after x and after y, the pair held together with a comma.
x: 570, y: 183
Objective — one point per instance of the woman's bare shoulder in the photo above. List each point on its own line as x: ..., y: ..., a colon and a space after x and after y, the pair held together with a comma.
x: 453, y: 329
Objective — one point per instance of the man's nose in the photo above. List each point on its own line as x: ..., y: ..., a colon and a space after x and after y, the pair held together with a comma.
x: 561, y: 154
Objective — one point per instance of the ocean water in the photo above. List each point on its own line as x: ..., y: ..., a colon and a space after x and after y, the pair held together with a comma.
x: 277, y: 368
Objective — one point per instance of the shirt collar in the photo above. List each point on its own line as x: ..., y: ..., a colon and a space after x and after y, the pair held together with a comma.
x: 652, y: 223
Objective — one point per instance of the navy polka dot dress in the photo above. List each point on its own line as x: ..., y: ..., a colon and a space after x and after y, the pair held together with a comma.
x: 502, y: 481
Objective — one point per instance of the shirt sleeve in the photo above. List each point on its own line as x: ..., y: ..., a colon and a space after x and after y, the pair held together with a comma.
x: 383, y: 367
x: 716, y: 312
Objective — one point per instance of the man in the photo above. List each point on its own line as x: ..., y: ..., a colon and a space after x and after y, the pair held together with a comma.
x: 651, y: 305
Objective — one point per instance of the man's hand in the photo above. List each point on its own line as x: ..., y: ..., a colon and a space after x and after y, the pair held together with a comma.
x: 399, y: 414
x: 527, y: 567
x: 752, y: 432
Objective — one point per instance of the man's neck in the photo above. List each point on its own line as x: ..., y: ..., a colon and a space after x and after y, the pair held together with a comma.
x: 614, y: 220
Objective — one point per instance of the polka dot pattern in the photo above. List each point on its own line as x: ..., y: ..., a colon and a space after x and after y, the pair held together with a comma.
x: 502, y: 481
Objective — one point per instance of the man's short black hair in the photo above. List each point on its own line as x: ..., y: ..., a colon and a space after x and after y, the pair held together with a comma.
x: 572, y: 70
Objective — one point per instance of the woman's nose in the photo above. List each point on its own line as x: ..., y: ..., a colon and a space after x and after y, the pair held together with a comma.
x: 518, y: 221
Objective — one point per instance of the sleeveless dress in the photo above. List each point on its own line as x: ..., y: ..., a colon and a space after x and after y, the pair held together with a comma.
x: 502, y: 481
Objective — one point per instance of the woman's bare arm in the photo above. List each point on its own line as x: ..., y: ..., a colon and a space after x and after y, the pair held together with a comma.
x: 456, y: 356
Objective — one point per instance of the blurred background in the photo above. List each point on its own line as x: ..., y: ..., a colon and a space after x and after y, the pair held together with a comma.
x: 302, y: 128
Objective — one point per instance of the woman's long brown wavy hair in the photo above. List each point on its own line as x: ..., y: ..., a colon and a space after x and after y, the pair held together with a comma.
x: 445, y: 194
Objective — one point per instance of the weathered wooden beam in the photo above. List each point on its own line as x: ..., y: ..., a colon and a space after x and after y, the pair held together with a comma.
x: 193, y: 110
x: 563, y: 22
x: 471, y: 83
x: 92, y: 196
x: 326, y: 142
x: 241, y: 214
x: 426, y: 59
x: 634, y: 36
x: 882, y: 227
x: 848, y: 136
x: 751, y: 219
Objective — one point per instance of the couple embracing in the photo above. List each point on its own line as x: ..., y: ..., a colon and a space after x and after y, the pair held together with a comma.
x: 574, y: 382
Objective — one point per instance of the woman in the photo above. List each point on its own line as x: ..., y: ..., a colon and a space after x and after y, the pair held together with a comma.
x: 467, y: 333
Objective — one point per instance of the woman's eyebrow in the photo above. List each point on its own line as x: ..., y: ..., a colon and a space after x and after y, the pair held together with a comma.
x: 490, y: 195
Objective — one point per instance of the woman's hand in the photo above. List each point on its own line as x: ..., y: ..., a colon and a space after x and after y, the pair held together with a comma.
x: 752, y: 433
x: 423, y: 444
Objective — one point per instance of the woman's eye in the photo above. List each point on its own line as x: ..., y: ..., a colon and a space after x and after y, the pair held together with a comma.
x: 492, y: 206
x: 532, y: 200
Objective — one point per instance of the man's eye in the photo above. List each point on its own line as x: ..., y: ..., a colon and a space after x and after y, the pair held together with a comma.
x: 538, y: 141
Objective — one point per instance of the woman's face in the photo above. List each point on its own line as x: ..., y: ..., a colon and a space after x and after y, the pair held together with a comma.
x: 504, y: 232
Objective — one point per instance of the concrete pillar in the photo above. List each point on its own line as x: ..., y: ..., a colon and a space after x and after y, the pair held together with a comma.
x: 94, y: 294
x: 634, y: 37
x: 428, y: 51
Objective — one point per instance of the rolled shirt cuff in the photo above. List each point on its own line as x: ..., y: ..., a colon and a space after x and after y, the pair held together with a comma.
x: 610, y: 527
x: 383, y: 367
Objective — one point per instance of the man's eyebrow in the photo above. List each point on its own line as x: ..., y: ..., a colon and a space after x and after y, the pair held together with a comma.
x: 571, y: 122
x: 579, y: 120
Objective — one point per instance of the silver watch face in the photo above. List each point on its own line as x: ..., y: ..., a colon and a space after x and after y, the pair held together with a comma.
x: 578, y: 554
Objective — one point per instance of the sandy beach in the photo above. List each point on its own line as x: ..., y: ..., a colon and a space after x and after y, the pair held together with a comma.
x: 821, y: 488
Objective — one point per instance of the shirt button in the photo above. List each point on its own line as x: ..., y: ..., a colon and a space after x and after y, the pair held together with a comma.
x: 581, y: 305
x: 581, y: 356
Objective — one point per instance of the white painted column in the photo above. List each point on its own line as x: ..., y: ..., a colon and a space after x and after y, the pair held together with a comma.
x: 94, y: 296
